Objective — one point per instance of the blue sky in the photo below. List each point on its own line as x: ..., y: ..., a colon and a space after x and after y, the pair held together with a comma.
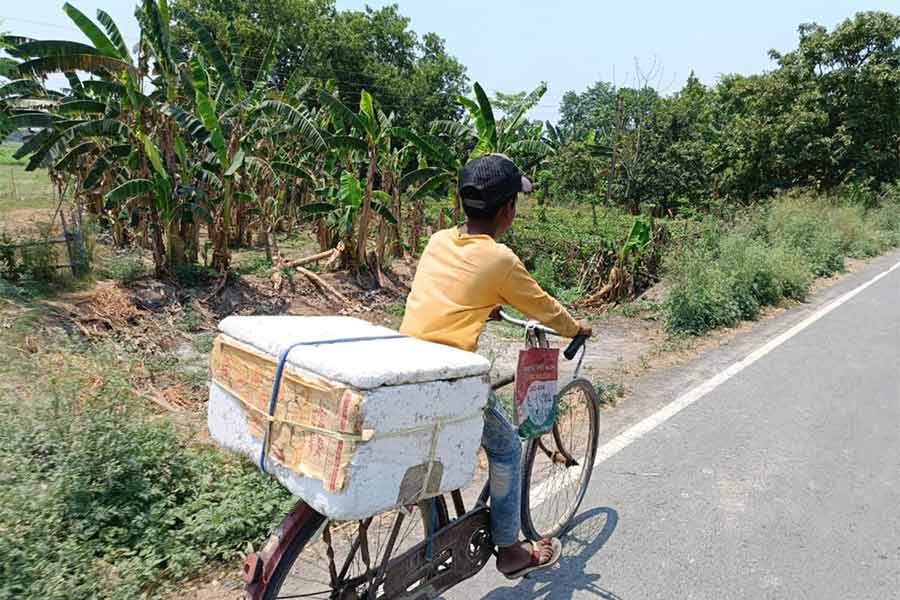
x: 514, y: 45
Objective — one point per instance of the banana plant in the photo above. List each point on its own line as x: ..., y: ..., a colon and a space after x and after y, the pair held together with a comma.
x: 341, y: 206
x: 391, y: 167
x: 439, y: 169
x: 90, y: 129
x: 494, y: 135
x: 369, y: 129
x: 164, y: 194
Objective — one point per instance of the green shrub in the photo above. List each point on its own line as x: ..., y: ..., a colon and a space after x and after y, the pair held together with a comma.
x: 101, y: 500
x: 800, y: 225
x: 701, y: 297
x: 193, y: 274
x: 39, y: 261
x: 859, y: 194
x: 106, y: 503
x: 124, y: 268
x: 746, y: 262
x: 565, y: 241
x: 721, y: 276
x: 858, y: 237
x: 791, y: 271
x: 257, y: 264
x: 718, y: 287
x: 397, y: 309
x: 10, y: 268
x: 885, y: 220
x: 545, y: 274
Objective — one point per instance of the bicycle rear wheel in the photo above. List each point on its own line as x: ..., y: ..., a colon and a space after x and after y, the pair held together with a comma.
x: 346, y: 560
x: 558, y: 465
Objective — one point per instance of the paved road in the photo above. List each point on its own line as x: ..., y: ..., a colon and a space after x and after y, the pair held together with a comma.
x: 783, y: 482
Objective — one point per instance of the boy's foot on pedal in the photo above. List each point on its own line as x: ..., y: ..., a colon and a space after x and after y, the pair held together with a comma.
x: 522, y: 558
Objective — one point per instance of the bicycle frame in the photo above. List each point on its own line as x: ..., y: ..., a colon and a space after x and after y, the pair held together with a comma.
x: 455, y: 552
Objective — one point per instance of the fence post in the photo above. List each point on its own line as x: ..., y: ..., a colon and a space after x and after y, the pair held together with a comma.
x: 78, y: 257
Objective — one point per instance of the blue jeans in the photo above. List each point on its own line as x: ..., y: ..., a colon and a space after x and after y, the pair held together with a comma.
x: 504, y: 452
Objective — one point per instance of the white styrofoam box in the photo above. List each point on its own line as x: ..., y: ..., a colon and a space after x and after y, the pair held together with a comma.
x: 361, y: 365
x: 379, y: 465
x: 407, y: 386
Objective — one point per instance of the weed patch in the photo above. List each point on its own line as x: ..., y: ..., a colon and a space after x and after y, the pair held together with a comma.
x: 102, y: 499
x: 769, y: 255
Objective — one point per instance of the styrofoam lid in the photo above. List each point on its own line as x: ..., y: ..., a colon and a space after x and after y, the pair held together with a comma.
x: 388, y: 359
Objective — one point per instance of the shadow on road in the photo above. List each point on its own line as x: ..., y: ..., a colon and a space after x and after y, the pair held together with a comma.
x: 588, y: 534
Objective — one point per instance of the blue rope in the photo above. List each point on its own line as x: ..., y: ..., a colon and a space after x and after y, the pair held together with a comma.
x: 273, y: 399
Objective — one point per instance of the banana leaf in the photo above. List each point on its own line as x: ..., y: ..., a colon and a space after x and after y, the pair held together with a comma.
x: 93, y: 33
x: 212, y: 52
x: 92, y: 63
x: 130, y: 189
x: 115, y: 36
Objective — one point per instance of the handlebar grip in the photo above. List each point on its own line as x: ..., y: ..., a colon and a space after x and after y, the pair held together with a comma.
x: 574, y: 346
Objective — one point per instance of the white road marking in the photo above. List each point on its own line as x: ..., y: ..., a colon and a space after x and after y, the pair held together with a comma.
x: 648, y: 424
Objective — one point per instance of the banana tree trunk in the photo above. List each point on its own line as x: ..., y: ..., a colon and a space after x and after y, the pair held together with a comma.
x: 221, y: 254
x: 174, y: 244
x: 415, y: 228
x: 382, y: 240
x: 362, y: 231
x: 159, y: 246
x: 396, y: 239
x: 323, y: 235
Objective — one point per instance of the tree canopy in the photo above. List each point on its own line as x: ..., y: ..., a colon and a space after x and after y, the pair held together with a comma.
x: 413, y: 76
x: 827, y: 114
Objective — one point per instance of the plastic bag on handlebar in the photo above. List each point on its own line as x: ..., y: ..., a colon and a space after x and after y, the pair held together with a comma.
x: 534, y: 408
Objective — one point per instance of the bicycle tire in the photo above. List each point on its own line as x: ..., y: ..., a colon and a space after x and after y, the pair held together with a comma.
x: 307, y: 533
x: 529, y: 527
x: 296, y: 545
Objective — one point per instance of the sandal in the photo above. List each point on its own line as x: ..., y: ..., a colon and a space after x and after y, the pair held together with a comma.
x: 536, y: 563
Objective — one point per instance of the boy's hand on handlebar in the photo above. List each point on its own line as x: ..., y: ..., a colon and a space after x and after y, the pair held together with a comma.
x: 495, y: 314
x: 585, y: 329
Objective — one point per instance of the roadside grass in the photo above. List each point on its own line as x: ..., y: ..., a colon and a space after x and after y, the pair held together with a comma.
x: 7, y: 149
x: 100, y: 498
x: 771, y: 254
x: 123, y: 265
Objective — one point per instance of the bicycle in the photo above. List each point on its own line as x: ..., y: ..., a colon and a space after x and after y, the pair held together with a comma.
x: 417, y: 552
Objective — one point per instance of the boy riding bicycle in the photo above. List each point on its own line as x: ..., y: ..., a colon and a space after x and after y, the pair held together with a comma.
x: 463, y: 277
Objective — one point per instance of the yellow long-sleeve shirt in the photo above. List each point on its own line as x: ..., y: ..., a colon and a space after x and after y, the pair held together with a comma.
x: 459, y: 281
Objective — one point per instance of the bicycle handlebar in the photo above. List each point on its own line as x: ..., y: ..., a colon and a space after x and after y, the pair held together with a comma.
x: 570, y: 351
x: 574, y: 346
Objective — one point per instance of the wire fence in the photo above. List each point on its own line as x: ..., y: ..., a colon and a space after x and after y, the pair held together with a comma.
x: 39, y: 257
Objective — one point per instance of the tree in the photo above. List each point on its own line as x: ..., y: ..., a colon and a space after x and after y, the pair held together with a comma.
x: 372, y: 49
x: 169, y: 159
x: 438, y: 169
x: 502, y: 135
x: 592, y: 110
x: 677, y: 141
x: 573, y: 170
x: 370, y: 130
x: 8, y: 65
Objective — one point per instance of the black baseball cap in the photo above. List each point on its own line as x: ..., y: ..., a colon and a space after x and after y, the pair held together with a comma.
x: 490, y: 180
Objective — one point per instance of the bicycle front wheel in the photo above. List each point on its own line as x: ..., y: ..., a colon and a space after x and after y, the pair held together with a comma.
x: 347, y: 560
x: 558, y: 465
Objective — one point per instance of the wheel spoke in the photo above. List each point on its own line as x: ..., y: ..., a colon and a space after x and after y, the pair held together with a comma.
x: 351, y: 558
